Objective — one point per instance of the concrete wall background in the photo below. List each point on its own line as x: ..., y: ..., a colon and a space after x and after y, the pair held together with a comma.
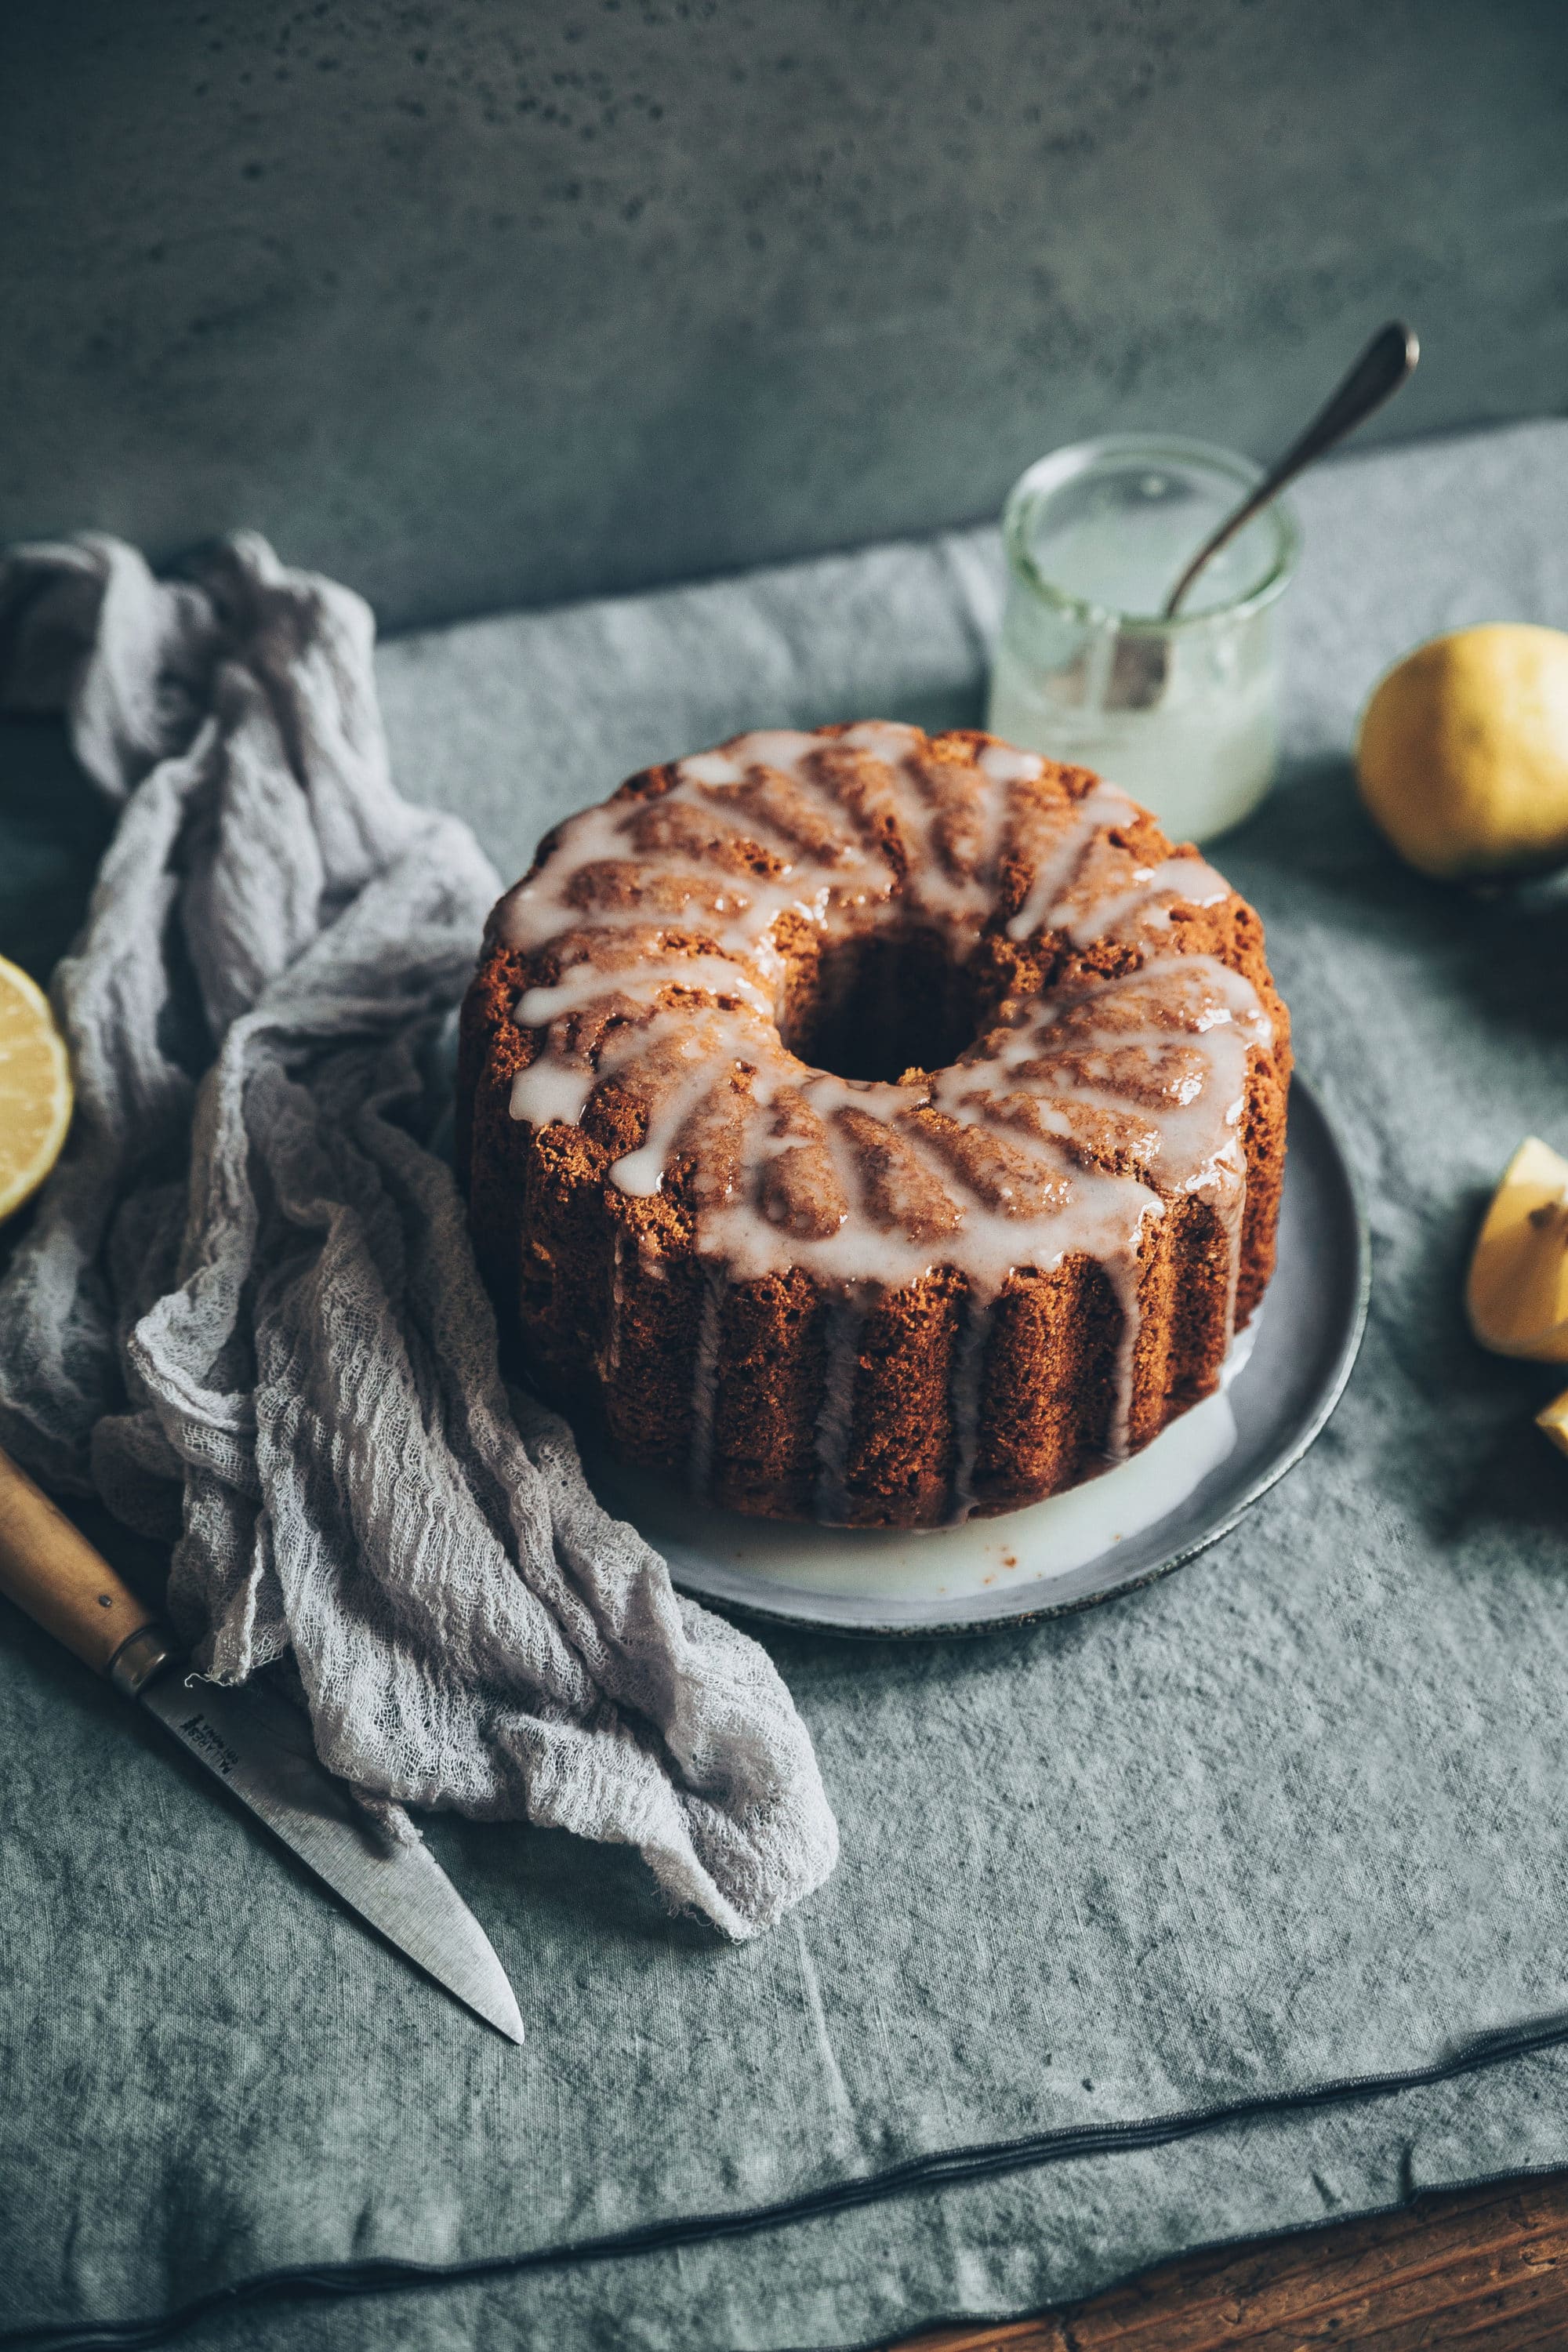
x: 486, y: 302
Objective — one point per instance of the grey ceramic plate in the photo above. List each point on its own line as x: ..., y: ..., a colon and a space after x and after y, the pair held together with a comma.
x: 1124, y: 1528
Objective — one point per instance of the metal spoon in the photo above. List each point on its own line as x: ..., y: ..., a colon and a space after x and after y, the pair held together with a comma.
x: 1388, y: 360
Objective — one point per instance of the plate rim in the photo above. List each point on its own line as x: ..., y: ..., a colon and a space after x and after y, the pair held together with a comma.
x: 975, y: 1628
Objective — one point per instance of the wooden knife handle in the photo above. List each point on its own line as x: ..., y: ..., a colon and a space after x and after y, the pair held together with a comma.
x: 48, y: 1568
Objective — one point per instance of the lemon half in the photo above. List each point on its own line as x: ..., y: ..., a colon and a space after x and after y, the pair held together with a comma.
x: 34, y: 1089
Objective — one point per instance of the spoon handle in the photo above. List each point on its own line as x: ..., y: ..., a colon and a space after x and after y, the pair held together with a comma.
x: 1382, y: 368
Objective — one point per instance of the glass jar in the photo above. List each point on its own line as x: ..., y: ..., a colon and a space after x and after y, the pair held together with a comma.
x: 1180, y: 713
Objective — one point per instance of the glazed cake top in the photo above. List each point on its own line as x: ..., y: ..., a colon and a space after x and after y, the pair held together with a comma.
x: 664, y: 930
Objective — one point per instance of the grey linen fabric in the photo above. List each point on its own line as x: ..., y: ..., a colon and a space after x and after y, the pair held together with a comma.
x: 986, y: 2248
x: 1118, y: 1896
x: 248, y: 1314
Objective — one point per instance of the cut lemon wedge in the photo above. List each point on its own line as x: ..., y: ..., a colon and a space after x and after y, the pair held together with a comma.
x: 1554, y: 1420
x: 1517, y: 1294
x: 34, y: 1089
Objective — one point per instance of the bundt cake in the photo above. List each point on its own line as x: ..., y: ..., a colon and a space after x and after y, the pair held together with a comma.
x: 873, y: 1127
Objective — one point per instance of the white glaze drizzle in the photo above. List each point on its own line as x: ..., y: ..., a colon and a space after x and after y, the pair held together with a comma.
x: 1062, y: 1130
x: 586, y: 983
x: 1105, y: 806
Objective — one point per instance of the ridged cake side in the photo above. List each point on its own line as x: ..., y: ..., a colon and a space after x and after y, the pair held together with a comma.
x: 785, y: 1390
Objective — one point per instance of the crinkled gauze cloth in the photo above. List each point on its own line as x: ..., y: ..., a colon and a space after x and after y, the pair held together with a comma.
x: 248, y: 1314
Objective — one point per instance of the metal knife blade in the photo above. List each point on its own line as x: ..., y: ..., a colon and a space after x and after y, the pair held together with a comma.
x: 258, y: 1745
x: 250, y: 1739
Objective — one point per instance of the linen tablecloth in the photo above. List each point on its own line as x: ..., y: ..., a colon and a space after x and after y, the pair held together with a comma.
x: 1237, y: 1904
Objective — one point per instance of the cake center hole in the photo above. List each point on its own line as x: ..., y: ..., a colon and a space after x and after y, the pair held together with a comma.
x: 884, y: 1003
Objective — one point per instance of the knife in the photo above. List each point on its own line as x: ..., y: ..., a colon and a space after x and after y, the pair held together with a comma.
x: 252, y: 1741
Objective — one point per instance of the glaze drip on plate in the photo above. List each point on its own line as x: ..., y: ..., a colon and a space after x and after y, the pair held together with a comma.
x: 672, y: 941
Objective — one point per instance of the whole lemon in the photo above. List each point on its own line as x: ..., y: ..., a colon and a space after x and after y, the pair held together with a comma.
x: 1462, y: 754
